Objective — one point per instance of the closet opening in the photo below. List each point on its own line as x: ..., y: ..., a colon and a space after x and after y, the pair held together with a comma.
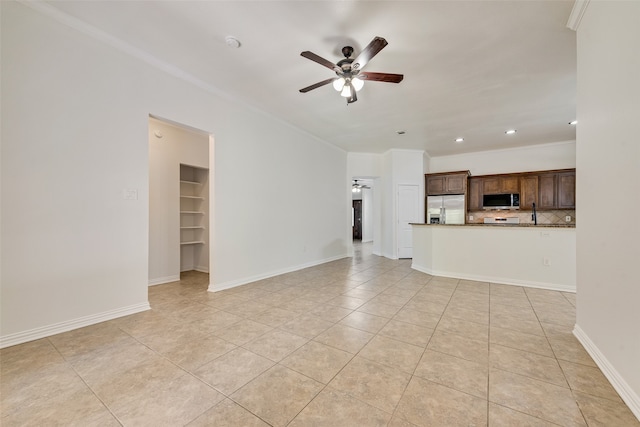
x: 180, y: 200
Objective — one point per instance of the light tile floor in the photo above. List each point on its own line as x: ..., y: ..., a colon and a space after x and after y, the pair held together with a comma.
x: 363, y: 341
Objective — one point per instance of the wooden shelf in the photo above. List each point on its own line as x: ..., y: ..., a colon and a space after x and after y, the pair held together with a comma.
x: 194, y: 217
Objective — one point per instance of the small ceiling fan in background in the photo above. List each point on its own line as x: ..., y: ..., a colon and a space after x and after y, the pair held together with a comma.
x: 356, y: 187
x: 350, y: 77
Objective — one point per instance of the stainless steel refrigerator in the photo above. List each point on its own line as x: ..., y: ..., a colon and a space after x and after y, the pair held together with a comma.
x: 445, y: 209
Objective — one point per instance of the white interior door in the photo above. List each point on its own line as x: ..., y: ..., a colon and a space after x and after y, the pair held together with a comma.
x: 408, y: 212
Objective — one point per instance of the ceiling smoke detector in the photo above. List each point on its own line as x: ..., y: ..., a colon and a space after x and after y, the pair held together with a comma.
x: 232, y: 42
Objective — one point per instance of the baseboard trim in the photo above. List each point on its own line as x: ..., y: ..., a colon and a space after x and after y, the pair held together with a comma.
x: 619, y: 384
x: 68, y: 325
x: 233, y: 283
x: 493, y: 279
x: 163, y: 280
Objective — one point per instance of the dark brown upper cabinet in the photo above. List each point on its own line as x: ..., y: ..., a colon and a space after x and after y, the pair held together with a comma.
x: 549, y: 190
x: 474, y: 200
x: 437, y: 184
x: 528, y: 192
x: 557, y: 190
x: 501, y: 184
x: 567, y: 190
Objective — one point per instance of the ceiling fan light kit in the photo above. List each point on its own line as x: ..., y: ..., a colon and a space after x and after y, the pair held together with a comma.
x: 349, y: 80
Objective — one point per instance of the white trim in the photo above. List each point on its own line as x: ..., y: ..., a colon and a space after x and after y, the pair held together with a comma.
x: 202, y: 269
x: 68, y: 325
x: 619, y: 384
x: 163, y: 280
x: 579, y: 7
x: 233, y: 283
x: 494, y: 279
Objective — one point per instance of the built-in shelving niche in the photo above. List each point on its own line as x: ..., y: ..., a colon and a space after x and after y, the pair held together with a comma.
x: 194, y: 218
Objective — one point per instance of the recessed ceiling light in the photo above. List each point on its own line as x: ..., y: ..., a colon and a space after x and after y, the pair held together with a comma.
x: 510, y: 131
x: 232, y: 42
x: 459, y: 139
x: 401, y: 132
x: 575, y: 122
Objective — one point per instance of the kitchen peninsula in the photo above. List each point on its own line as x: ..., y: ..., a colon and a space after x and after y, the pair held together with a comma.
x: 502, y: 238
x: 526, y: 255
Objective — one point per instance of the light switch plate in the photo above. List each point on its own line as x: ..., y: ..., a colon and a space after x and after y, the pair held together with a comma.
x: 567, y: 218
x: 130, y: 194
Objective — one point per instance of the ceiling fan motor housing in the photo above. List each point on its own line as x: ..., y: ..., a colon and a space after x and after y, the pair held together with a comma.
x: 347, y: 51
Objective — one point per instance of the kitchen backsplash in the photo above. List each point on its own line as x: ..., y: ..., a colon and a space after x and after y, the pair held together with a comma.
x: 544, y: 217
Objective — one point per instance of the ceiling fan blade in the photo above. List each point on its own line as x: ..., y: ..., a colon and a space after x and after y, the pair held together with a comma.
x: 320, y: 60
x: 372, y: 49
x: 317, y: 85
x: 381, y: 77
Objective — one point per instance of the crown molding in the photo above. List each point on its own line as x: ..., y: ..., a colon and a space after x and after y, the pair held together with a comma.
x: 579, y: 7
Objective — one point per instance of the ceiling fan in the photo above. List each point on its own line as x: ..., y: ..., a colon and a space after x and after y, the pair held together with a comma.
x: 350, y: 76
x: 357, y: 187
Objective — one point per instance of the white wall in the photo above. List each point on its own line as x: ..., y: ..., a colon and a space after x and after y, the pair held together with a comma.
x: 608, y: 164
x: 74, y: 136
x: 561, y: 155
x: 366, y: 165
x: 177, y: 145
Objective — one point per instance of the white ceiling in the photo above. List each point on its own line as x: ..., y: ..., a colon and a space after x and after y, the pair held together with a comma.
x: 471, y: 69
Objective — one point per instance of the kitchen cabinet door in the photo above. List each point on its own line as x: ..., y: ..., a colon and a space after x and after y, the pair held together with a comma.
x: 528, y: 192
x: 474, y: 201
x: 491, y: 185
x: 506, y: 184
x: 566, y: 190
x: 510, y: 184
x: 446, y: 183
x: 547, y: 185
x: 456, y: 184
x: 436, y: 185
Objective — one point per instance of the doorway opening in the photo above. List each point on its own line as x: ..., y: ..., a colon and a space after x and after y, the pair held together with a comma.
x: 180, y: 200
x: 366, y: 211
x: 356, y: 222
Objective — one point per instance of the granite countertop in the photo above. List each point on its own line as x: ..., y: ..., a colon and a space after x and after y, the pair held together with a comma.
x: 500, y: 225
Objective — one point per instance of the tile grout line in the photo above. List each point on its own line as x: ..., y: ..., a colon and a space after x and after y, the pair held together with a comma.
x: 70, y: 365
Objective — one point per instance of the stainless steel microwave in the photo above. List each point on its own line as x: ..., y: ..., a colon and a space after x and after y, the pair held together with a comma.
x: 501, y: 201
